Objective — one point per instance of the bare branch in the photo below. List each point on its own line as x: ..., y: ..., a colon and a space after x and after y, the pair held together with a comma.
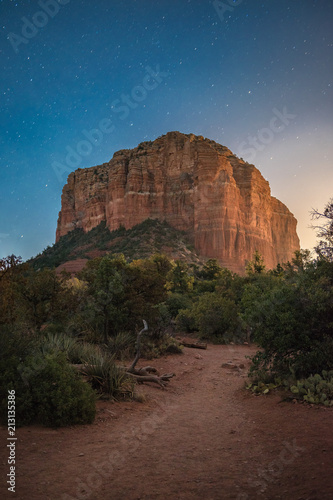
x: 145, y: 374
x: 324, y: 231
x: 161, y: 381
x: 138, y: 344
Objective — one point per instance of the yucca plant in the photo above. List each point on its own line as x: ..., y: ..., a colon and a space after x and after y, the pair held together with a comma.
x: 106, y: 377
x: 80, y: 351
x: 56, y: 342
x: 121, y: 346
x: 75, y: 350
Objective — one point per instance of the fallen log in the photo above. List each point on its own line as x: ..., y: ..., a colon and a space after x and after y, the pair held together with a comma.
x: 194, y: 345
x: 160, y: 380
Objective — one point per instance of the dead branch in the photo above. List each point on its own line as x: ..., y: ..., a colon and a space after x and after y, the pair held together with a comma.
x: 147, y: 370
x: 138, y: 345
x: 162, y: 380
x: 145, y: 374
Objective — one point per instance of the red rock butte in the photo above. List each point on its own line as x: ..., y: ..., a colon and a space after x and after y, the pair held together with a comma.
x: 196, y: 185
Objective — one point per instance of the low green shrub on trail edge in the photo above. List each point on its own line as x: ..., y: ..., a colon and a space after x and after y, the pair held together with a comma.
x: 316, y: 389
x: 48, y: 391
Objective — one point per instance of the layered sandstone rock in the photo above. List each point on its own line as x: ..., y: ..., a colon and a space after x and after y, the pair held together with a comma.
x: 196, y: 185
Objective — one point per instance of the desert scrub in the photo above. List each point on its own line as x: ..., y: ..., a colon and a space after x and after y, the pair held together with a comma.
x: 121, y: 346
x: 60, y: 395
x: 49, y: 391
x: 57, y: 342
x: 106, y: 377
x: 80, y: 351
x: 166, y: 344
x: 316, y: 389
x: 76, y: 351
x: 261, y: 387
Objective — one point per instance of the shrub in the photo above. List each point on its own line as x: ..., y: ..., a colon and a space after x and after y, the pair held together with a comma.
x: 186, y: 320
x: 165, y: 344
x: 15, y: 346
x: 57, y: 342
x: 48, y: 391
x: 60, y: 396
x: 80, y: 351
x: 316, y: 389
x: 121, y: 346
x: 177, y: 301
x: 216, y: 317
x: 10, y: 379
x: 107, y: 378
x: 75, y: 350
x: 293, y: 324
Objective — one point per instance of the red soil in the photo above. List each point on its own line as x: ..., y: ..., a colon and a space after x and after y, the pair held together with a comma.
x: 203, y: 438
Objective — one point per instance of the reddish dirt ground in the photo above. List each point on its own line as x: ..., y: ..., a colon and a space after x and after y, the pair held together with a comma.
x: 204, y: 438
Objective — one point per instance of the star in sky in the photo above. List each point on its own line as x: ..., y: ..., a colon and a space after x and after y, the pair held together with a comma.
x: 225, y: 77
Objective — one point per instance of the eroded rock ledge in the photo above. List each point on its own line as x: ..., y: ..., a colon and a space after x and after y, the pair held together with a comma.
x: 196, y: 185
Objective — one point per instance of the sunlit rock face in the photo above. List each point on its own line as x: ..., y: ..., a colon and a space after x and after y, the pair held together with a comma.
x: 197, y: 186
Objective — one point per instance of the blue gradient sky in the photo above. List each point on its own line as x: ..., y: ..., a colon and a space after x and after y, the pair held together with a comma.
x: 227, y: 71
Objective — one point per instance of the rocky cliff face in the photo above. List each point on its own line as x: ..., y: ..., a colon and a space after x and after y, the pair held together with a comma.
x: 196, y: 185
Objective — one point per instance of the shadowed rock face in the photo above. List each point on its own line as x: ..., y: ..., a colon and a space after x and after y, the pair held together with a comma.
x: 196, y: 185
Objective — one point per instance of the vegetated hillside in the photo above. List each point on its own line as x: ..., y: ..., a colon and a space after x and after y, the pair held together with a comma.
x: 151, y: 236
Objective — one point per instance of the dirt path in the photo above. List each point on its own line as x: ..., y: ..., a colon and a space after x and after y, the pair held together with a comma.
x: 203, y: 438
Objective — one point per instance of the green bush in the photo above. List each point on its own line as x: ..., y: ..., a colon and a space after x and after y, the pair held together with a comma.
x: 186, y: 320
x: 57, y: 342
x: 10, y: 380
x: 217, y: 318
x: 76, y: 351
x: 292, y: 321
x: 59, y: 395
x: 48, y: 391
x: 81, y: 351
x: 15, y: 346
x: 177, y: 301
x: 316, y: 389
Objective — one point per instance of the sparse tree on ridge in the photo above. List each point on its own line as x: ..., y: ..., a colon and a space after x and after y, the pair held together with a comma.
x: 325, y: 231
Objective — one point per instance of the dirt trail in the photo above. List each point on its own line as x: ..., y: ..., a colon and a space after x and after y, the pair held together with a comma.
x: 202, y: 438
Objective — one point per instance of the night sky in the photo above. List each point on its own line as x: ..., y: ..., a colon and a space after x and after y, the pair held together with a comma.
x: 82, y: 79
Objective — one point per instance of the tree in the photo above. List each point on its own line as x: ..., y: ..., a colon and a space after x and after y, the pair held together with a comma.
x: 8, y: 264
x: 256, y: 265
x: 106, y: 293
x: 299, y: 263
x: 325, y: 231
x: 211, y: 270
x: 179, y: 279
x: 11, y: 271
x: 39, y: 297
x: 146, y: 288
x: 292, y: 321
